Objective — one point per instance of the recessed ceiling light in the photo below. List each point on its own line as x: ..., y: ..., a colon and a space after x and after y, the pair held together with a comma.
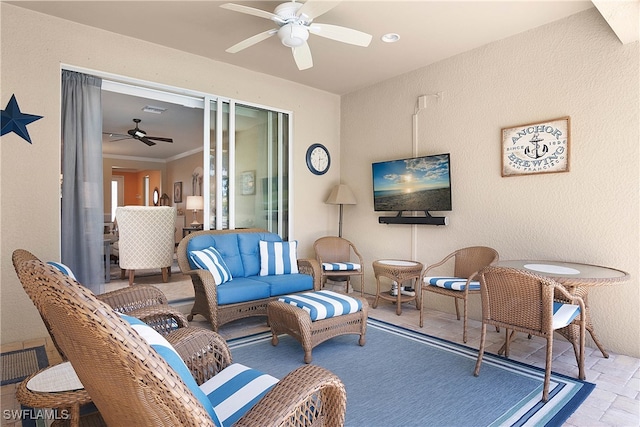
x: 390, y: 37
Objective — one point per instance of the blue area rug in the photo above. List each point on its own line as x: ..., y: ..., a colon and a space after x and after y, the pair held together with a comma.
x: 405, y: 378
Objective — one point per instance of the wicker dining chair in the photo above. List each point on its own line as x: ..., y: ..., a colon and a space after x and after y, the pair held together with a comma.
x: 464, y: 282
x: 134, y: 385
x: 339, y: 260
x: 520, y: 301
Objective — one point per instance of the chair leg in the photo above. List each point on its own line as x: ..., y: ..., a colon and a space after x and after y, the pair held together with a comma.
x: 122, y: 273
x: 165, y: 274
x: 362, y: 285
x: 547, y: 370
x: 131, y: 274
x: 348, y: 280
x: 464, y: 321
x: 508, y: 337
x: 483, y: 333
x: 455, y: 300
x: 421, y: 323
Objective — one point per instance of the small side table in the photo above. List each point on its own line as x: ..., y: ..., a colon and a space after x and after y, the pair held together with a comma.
x: 399, y: 271
x: 56, y: 387
x: 190, y: 229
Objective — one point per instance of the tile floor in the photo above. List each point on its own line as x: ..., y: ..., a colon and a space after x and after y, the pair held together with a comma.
x: 614, y: 402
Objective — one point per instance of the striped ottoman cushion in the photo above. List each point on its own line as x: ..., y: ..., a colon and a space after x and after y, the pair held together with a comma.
x: 563, y: 314
x: 340, y: 266
x: 323, y: 304
x: 453, y: 283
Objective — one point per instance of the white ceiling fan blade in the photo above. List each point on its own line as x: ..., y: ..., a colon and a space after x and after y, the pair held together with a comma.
x: 251, y: 41
x: 341, y: 34
x: 312, y: 9
x: 250, y: 11
x: 302, y: 56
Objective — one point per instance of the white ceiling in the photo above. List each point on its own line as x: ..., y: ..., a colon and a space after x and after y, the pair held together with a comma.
x: 430, y: 31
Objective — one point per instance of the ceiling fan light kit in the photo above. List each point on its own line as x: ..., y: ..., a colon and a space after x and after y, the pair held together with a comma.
x: 294, y: 21
x: 293, y: 35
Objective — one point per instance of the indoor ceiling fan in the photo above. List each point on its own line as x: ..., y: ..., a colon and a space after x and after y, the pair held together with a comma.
x: 294, y: 23
x: 138, y: 134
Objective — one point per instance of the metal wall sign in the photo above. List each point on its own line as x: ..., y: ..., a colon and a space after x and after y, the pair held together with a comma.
x: 533, y: 148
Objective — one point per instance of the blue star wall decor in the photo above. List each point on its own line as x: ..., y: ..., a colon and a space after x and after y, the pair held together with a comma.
x: 14, y: 120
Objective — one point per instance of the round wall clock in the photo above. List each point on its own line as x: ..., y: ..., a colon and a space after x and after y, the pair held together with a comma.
x: 318, y: 159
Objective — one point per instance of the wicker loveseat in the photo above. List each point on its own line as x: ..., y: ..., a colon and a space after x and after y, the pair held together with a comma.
x: 249, y: 291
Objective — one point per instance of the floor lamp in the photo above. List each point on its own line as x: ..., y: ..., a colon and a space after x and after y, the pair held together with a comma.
x: 341, y: 195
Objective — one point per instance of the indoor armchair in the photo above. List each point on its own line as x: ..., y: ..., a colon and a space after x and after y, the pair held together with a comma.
x: 146, y: 239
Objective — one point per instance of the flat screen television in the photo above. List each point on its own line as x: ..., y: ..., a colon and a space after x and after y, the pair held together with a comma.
x: 414, y: 184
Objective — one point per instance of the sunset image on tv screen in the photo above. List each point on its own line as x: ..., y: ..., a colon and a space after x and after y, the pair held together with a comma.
x: 415, y: 184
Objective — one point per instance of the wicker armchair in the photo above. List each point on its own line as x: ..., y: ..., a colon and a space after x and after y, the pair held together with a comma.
x: 333, y: 254
x: 146, y: 239
x: 467, y: 263
x: 135, y: 386
x: 145, y: 302
x: 520, y: 301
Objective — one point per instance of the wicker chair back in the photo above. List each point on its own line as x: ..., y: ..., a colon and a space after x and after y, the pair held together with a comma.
x: 520, y: 301
x: 128, y: 381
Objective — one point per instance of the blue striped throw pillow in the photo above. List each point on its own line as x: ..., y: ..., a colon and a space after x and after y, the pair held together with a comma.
x: 323, y: 304
x: 65, y: 269
x: 210, y: 259
x: 453, y: 283
x: 278, y: 258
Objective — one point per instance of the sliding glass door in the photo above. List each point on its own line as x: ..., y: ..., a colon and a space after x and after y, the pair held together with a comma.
x: 248, y: 167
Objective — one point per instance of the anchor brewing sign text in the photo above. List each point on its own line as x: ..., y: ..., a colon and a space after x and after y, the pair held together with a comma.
x: 536, y: 148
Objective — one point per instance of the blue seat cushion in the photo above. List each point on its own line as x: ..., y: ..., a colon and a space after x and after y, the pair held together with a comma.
x: 340, y: 266
x: 242, y: 289
x: 323, y: 304
x: 235, y: 390
x: 287, y: 283
x: 225, y: 244
x: 563, y: 314
x: 250, y: 250
x: 453, y: 283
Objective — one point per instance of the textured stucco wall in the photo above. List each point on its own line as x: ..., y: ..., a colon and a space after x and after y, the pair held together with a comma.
x: 33, y: 47
x: 574, y: 67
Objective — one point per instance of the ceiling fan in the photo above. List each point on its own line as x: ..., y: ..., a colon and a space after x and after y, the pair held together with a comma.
x: 294, y: 23
x: 138, y: 134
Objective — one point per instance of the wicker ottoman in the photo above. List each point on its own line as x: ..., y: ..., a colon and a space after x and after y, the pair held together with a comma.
x: 286, y: 316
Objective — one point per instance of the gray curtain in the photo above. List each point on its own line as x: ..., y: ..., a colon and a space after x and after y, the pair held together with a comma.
x: 82, y: 192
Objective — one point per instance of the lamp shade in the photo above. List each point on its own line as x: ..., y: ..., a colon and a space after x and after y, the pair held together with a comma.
x: 341, y: 195
x: 195, y: 203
